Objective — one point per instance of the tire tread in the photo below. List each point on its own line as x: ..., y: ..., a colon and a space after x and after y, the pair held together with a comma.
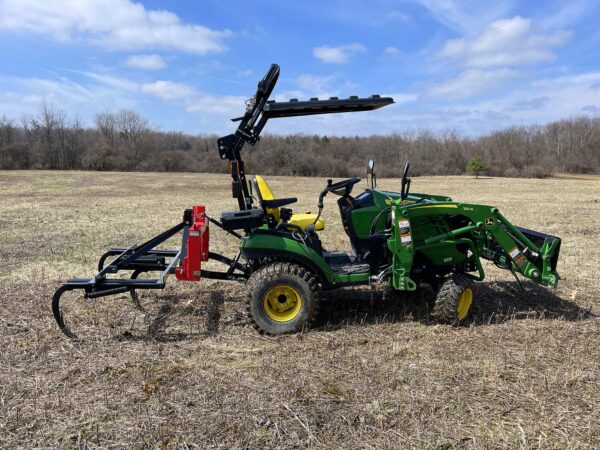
x: 277, y: 269
x: 446, y: 300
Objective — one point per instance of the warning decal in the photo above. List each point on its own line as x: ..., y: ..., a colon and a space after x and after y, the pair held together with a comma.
x: 518, y: 257
x: 404, y: 229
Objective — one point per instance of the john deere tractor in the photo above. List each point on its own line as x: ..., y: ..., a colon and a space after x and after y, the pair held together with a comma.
x: 403, y: 239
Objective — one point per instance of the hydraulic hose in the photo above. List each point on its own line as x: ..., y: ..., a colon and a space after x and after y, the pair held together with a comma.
x: 320, y: 204
x: 376, y: 219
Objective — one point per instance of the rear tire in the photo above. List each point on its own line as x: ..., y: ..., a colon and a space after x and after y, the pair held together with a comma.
x: 454, y: 299
x: 281, y: 298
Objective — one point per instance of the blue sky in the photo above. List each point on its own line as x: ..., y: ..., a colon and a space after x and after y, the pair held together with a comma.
x: 469, y: 66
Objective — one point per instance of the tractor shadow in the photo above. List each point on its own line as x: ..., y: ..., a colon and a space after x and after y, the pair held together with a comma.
x: 363, y: 306
x: 165, y: 323
x: 500, y: 301
x: 497, y: 302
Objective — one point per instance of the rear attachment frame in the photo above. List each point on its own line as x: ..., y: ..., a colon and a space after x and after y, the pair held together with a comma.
x: 143, y: 258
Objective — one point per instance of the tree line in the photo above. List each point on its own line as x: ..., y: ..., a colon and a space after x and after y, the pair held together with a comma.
x: 126, y: 141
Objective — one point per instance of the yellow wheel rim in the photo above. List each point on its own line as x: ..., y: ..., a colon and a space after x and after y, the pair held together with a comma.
x: 464, y: 303
x: 282, y: 303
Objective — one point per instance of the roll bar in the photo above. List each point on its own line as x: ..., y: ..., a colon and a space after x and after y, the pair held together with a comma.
x: 259, y: 109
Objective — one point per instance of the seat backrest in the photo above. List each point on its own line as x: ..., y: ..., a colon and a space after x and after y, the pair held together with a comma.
x: 370, y: 250
x: 264, y: 192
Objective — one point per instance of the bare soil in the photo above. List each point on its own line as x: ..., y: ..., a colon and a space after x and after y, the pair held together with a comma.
x: 374, y: 373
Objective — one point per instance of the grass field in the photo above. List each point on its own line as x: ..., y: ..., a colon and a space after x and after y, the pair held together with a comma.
x: 372, y: 374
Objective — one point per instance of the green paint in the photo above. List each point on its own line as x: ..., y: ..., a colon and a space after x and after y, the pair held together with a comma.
x: 448, y: 236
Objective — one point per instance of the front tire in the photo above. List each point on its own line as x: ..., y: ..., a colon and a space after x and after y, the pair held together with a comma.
x: 282, y: 298
x: 453, y: 300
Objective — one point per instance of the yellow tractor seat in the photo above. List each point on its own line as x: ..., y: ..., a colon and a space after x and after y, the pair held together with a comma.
x: 264, y: 193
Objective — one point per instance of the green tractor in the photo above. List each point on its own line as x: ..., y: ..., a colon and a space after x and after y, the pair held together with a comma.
x: 403, y: 239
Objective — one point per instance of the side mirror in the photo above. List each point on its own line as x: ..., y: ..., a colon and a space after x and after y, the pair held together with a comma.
x: 371, y: 177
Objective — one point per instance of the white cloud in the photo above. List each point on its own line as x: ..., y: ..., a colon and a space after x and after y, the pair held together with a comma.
x: 591, y: 109
x: 168, y: 90
x: 321, y: 86
x: 529, y: 104
x: 227, y: 105
x: 111, y: 80
x: 469, y: 83
x: 60, y: 88
x: 569, y: 13
x: 113, y: 24
x: 466, y: 16
x: 32, y: 98
x: 392, y: 52
x: 82, y: 98
x: 245, y: 73
x: 317, y: 84
x: 192, y: 99
x: 101, y: 92
x: 556, y: 98
x: 507, y: 42
x: 403, y: 97
x: 338, y: 55
x: 530, y: 101
x: 398, y: 15
x: 146, y: 62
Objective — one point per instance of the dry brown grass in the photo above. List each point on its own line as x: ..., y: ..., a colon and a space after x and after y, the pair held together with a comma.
x: 371, y: 375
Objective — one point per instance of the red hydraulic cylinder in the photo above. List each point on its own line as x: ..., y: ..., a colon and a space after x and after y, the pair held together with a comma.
x: 196, y: 247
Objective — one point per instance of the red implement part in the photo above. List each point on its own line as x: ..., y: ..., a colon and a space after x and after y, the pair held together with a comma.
x: 197, y: 247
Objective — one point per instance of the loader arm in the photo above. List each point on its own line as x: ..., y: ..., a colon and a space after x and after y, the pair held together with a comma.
x: 465, y: 234
x: 536, y: 261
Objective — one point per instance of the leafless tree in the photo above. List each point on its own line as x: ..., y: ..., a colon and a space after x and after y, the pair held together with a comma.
x: 133, y: 130
x: 6, y: 134
x: 106, y: 124
x: 124, y: 140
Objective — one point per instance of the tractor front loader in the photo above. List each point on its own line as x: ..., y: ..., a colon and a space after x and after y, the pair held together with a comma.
x: 400, y: 238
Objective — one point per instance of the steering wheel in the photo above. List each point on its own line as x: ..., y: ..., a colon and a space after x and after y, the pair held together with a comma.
x: 345, y: 185
x: 341, y: 188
